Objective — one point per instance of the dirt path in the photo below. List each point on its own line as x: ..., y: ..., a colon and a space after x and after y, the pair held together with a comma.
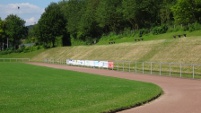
x: 180, y: 95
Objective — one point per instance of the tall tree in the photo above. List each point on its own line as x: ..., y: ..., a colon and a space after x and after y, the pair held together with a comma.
x: 73, y: 13
x: 51, y: 24
x: 198, y: 10
x: 66, y: 39
x: 1, y: 35
x: 185, y: 11
x: 166, y: 15
x: 109, y: 15
x: 141, y: 13
x: 88, y: 27
x: 15, y: 30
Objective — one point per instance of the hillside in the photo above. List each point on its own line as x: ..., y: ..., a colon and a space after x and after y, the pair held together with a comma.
x: 185, y: 50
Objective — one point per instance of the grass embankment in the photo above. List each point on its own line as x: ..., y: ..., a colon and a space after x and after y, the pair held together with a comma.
x: 157, y: 48
x: 32, y: 89
x: 183, y: 50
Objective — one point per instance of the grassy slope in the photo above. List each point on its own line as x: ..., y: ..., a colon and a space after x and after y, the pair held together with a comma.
x: 32, y: 89
x: 162, y: 48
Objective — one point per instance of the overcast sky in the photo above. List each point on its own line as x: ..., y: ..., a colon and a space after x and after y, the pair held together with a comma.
x: 30, y: 10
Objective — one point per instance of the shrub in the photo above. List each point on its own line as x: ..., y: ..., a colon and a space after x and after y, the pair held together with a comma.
x: 194, y: 27
x: 159, y: 30
x: 7, y: 51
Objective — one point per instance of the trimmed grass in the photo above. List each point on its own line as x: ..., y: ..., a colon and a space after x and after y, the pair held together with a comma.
x: 23, y: 55
x: 33, y: 89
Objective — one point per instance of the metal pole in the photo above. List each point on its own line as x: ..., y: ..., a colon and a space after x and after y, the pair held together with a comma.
x: 180, y: 71
x: 170, y: 68
x: 193, y: 71
x: 123, y: 66
x: 151, y: 67
x: 160, y: 68
x: 129, y: 66
x: 117, y: 66
x: 143, y: 67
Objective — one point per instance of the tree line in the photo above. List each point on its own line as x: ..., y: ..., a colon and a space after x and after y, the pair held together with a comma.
x: 12, y: 32
x: 88, y: 20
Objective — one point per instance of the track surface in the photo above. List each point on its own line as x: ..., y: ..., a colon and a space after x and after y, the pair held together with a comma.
x: 180, y: 95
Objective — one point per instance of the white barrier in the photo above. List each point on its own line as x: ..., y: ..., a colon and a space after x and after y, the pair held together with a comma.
x: 90, y: 63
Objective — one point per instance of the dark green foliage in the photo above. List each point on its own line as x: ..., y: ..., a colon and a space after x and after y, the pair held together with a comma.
x: 5, y: 52
x: 15, y: 30
x: 109, y: 15
x: 160, y: 30
x: 193, y: 27
x: 83, y: 21
x: 187, y: 11
x: 88, y: 27
x: 51, y: 25
x: 66, y: 39
x: 2, y: 34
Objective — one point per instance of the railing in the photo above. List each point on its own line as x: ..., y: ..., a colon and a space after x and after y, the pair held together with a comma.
x: 55, y: 61
x: 160, y: 68
x: 154, y: 68
x: 14, y: 59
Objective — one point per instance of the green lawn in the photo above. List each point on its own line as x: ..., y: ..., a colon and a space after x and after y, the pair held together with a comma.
x: 32, y: 89
x: 22, y: 55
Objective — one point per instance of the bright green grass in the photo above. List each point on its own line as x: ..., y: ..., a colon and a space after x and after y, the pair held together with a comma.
x: 32, y: 89
x: 22, y: 55
x: 147, y: 37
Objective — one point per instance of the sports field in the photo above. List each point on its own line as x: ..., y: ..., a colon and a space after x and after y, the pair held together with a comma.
x: 26, y: 88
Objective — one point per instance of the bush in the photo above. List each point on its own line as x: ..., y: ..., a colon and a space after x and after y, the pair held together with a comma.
x: 160, y: 30
x: 194, y: 27
x: 143, y: 32
x: 7, y: 51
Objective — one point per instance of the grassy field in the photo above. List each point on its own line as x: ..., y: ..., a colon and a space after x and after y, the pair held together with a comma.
x: 22, y: 55
x: 32, y: 89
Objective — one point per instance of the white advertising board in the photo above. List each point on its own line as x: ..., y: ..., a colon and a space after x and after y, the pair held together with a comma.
x: 89, y: 63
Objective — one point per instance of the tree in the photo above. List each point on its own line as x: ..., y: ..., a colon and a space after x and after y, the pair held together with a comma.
x: 51, y: 24
x: 15, y: 30
x: 88, y: 27
x: 166, y: 16
x: 109, y: 15
x: 2, y: 34
x: 198, y: 10
x: 73, y: 11
x: 141, y: 13
x: 185, y: 11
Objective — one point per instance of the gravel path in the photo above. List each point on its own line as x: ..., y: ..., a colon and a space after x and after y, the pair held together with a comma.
x: 180, y: 95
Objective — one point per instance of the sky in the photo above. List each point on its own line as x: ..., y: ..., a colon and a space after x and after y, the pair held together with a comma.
x: 29, y: 10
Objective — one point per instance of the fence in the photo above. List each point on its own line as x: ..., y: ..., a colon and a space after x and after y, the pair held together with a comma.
x: 160, y: 68
x: 14, y: 59
x: 153, y: 68
x: 55, y: 61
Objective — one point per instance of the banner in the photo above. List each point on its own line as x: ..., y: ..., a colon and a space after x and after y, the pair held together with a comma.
x: 104, y: 64
x: 91, y: 63
x: 111, y: 65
